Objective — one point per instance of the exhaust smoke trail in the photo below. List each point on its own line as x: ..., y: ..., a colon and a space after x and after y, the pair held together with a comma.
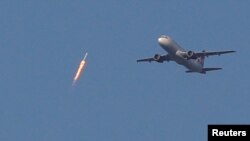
x: 80, y: 69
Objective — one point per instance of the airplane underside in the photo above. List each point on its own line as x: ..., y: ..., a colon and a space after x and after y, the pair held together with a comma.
x: 193, y: 61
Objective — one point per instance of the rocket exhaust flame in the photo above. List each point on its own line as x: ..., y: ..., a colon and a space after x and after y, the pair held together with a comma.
x: 79, y: 70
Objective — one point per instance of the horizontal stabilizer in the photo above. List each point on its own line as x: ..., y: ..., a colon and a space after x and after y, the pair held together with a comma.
x: 204, y: 70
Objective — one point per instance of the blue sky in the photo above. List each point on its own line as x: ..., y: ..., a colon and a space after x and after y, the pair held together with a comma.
x: 43, y: 42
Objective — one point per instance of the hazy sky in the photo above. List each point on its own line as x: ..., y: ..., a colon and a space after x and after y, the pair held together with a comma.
x: 116, y: 99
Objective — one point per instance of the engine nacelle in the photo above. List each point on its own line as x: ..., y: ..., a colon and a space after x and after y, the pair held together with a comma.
x: 181, y: 54
x: 190, y: 54
x: 186, y: 55
x: 158, y: 58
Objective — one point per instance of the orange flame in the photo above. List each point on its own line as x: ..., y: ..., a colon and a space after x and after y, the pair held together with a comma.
x: 79, y: 71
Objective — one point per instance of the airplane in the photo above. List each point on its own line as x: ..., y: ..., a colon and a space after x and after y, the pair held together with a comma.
x: 193, y: 61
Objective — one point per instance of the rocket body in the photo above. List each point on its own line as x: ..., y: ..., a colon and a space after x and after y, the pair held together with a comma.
x: 80, y: 68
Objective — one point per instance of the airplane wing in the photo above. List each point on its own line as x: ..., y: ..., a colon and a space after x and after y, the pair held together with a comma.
x: 199, y: 54
x: 146, y: 60
x: 158, y: 58
x: 211, y: 69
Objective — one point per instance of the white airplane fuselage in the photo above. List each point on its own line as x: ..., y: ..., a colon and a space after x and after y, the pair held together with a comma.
x: 174, y: 51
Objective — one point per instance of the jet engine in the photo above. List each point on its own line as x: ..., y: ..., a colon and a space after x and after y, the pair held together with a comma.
x: 186, y: 55
x: 190, y: 54
x: 158, y: 58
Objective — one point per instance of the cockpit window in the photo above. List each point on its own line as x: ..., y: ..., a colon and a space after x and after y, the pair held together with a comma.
x: 164, y: 36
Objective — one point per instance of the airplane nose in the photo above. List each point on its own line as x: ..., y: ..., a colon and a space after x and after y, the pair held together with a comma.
x: 160, y: 40
x: 164, y: 40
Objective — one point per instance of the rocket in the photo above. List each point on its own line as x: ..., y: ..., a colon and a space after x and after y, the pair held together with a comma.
x: 80, y: 68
